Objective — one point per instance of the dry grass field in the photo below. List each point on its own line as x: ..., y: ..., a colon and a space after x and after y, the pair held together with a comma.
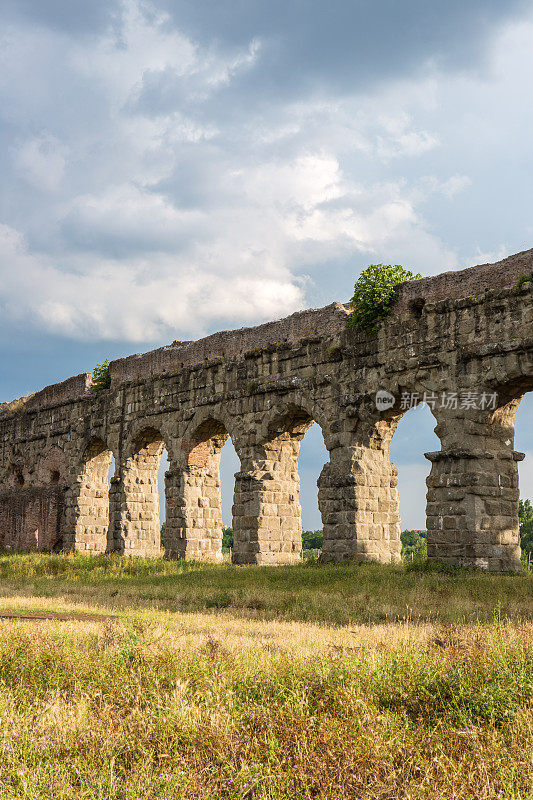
x: 390, y: 683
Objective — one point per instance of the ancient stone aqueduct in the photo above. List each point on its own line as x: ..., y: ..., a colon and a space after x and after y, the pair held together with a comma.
x: 264, y: 386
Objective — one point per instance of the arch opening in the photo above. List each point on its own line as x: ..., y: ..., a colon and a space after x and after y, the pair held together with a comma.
x: 523, y: 441
x: 413, y: 435
x: 312, y: 457
x: 229, y: 465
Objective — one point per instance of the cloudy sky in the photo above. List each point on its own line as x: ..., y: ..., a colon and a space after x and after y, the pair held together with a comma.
x: 174, y: 167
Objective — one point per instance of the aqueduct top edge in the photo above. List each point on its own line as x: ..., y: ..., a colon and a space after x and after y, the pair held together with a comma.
x: 327, y: 321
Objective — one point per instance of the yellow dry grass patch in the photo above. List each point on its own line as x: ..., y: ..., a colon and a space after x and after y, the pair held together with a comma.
x: 195, y: 630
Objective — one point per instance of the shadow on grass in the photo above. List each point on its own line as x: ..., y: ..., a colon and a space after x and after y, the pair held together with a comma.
x: 332, y: 594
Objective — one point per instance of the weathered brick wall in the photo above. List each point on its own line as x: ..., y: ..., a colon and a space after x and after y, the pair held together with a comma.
x: 30, y: 519
x: 263, y: 387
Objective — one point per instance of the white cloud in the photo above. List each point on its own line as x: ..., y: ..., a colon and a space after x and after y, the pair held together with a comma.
x: 127, y: 214
x: 119, y: 300
x: 167, y: 207
x: 41, y: 162
x: 122, y: 57
x: 399, y: 138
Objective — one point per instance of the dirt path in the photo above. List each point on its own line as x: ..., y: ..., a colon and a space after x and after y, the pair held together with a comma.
x: 62, y: 617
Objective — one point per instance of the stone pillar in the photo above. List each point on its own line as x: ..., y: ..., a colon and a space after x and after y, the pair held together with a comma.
x: 266, y: 513
x: 115, y: 501
x: 193, y: 501
x: 472, y: 510
x: 358, y: 500
x: 193, y: 527
x: 89, y: 503
x: 138, y: 528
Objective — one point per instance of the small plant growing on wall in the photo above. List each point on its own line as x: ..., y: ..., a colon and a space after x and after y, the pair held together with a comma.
x: 101, y: 377
x: 375, y: 293
x: 524, y: 279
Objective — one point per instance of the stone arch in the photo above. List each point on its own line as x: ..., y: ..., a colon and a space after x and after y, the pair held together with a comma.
x: 473, y: 491
x: 508, y: 397
x: 286, y: 429
x: 92, y: 503
x: 505, y: 525
x: 383, y: 504
x: 206, y: 419
x: 509, y: 378
x: 292, y: 421
x: 142, y: 430
x: 147, y: 439
x: 300, y: 408
x: 205, y: 443
x: 382, y: 427
x: 138, y: 530
x: 194, y: 494
x: 358, y: 487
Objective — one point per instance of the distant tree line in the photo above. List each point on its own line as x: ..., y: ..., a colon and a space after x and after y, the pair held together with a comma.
x: 227, y: 538
x: 525, y: 518
x: 311, y: 540
x: 414, y: 545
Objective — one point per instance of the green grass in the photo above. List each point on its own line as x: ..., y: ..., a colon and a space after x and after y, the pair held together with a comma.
x: 308, y: 682
x: 123, y: 712
x: 329, y: 594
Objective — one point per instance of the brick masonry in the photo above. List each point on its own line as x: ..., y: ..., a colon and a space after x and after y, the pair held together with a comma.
x: 461, y: 331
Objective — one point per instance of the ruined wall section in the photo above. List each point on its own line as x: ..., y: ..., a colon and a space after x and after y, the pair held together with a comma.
x: 328, y: 321
x: 31, y: 519
x: 469, y: 282
x: 229, y: 345
x: 117, y: 417
x: 53, y: 395
x: 483, y: 341
x: 444, y: 344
